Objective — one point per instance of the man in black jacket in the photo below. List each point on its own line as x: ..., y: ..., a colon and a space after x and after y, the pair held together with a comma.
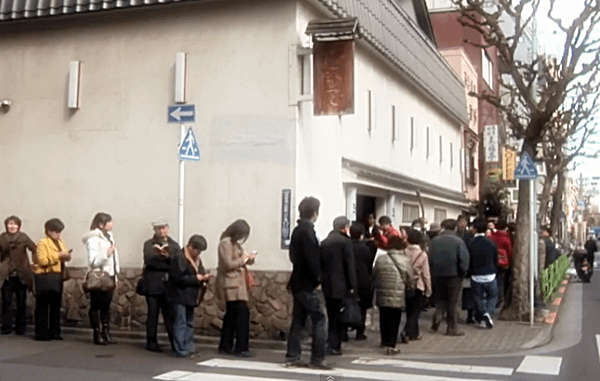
x: 157, y: 253
x: 483, y: 267
x: 305, y: 284
x: 339, y: 278
x: 449, y: 262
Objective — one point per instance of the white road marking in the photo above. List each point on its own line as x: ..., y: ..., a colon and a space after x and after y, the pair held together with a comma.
x: 437, y: 367
x: 174, y: 375
x: 345, y: 373
x: 540, y: 365
x: 598, y: 345
x: 178, y: 375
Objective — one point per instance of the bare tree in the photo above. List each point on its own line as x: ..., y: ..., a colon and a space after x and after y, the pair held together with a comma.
x: 566, y: 139
x: 536, y: 92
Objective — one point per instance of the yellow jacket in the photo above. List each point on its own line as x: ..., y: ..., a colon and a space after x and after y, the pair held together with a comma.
x: 46, y: 258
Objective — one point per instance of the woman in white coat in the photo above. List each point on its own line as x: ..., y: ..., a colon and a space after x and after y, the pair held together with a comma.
x: 102, y: 254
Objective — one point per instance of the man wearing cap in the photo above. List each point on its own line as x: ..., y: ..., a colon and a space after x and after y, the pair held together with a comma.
x: 339, y: 278
x: 157, y: 253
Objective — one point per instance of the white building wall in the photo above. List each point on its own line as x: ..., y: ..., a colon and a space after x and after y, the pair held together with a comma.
x: 324, y: 140
x: 118, y: 154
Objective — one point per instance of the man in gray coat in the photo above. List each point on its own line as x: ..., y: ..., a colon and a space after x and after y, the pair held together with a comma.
x: 449, y: 260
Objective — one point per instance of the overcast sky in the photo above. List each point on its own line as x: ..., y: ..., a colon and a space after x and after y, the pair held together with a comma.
x: 551, y: 41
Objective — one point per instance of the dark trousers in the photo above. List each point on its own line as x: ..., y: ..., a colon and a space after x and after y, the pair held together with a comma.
x: 100, y: 303
x: 13, y: 286
x: 363, y: 315
x: 308, y: 303
x: 336, y: 330
x: 414, y: 306
x: 156, y: 304
x: 236, y: 327
x: 47, y: 315
x: 389, y: 325
x: 447, y: 292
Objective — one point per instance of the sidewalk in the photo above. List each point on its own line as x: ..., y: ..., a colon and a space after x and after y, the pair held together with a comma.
x: 505, y: 337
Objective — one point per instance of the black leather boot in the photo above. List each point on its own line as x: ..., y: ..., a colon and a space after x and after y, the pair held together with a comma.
x: 95, y: 323
x: 105, y: 317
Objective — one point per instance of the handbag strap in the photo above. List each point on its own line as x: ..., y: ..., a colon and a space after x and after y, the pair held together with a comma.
x: 398, y: 267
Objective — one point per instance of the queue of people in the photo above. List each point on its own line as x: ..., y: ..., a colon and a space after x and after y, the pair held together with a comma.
x: 397, y: 269
x: 173, y: 282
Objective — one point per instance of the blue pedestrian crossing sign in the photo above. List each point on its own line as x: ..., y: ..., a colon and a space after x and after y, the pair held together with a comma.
x: 526, y: 169
x: 189, y: 147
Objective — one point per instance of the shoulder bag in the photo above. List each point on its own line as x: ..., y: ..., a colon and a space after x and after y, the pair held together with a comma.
x: 409, y: 289
x: 100, y: 280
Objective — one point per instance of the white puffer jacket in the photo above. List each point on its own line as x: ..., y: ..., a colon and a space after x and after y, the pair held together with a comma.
x: 97, y: 246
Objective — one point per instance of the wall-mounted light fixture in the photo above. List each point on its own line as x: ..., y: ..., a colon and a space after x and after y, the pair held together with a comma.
x: 5, y: 105
x: 74, y: 79
x: 180, y: 77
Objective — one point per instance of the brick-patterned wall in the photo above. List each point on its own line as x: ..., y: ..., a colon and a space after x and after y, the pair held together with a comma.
x: 270, y: 305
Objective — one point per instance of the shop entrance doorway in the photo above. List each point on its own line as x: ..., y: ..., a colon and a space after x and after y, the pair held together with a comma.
x: 364, y: 206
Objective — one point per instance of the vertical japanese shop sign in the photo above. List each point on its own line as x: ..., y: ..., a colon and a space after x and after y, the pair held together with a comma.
x: 286, y: 223
x: 491, y: 144
x: 333, y: 77
x: 509, y: 163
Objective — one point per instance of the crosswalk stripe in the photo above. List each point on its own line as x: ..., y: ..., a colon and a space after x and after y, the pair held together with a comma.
x: 173, y: 375
x: 178, y: 375
x: 540, y: 365
x: 598, y: 345
x: 345, y: 373
x: 436, y: 367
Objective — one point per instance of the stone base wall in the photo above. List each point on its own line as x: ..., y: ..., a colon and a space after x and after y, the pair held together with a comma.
x: 270, y: 305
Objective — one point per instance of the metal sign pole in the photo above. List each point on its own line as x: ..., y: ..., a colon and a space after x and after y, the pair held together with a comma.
x: 181, y: 188
x: 531, y: 247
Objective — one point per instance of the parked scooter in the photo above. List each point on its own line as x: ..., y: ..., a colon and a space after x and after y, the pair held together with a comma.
x: 582, y: 266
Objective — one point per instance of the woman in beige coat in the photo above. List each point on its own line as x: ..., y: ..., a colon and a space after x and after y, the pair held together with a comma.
x: 232, y: 288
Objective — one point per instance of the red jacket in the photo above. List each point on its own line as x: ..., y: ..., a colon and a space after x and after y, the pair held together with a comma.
x: 383, y: 240
x: 502, y: 240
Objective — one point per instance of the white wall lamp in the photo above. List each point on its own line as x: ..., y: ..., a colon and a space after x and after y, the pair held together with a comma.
x: 73, y: 99
x: 5, y: 105
x: 180, y: 77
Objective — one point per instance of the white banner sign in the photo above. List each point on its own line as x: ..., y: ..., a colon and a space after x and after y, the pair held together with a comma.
x: 491, y: 144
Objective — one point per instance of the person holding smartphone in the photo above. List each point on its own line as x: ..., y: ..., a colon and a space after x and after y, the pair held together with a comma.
x: 187, y: 284
x: 48, y: 261
x: 233, y: 289
x: 102, y: 254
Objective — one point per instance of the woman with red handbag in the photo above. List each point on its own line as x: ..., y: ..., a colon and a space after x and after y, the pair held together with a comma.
x: 232, y: 285
x: 102, y: 256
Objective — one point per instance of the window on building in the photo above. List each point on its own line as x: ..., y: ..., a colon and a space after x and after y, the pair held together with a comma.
x: 369, y: 111
x: 394, y: 135
x: 487, y: 69
x: 412, y: 134
x: 470, y: 173
x: 410, y: 212
x: 439, y: 214
x: 427, y: 144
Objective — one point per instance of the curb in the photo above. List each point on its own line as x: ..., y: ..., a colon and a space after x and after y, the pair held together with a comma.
x: 546, y: 335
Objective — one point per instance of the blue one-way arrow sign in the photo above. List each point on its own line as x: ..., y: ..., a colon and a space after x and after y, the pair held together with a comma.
x: 189, y: 148
x: 182, y: 113
x: 526, y: 169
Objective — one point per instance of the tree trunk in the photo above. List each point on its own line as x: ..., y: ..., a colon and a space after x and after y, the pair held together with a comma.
x: 555, y: 214
x: 545, y: 196
x: 519, y: 305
